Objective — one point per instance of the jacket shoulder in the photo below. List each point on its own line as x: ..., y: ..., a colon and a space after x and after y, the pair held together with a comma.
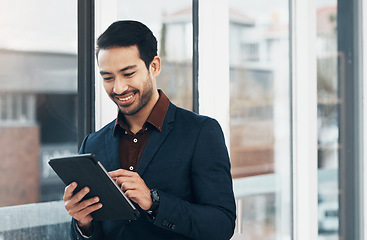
x: 185, y: 116
x: 98, y: 136
x: 107, y: 129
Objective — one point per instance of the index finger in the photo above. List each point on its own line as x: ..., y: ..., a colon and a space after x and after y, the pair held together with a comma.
x: 69, y: 190
x: 120, y: 173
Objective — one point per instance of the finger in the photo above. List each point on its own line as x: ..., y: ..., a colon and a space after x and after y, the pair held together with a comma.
x: 84, y: 215
x: 83, y: 205
x: 123, y: 180
x: 138, y: 198
x: 128, y: 186
x: 69, y: 189
x: 79, y: 195
x: 116, y: 173
x: 122, y: 173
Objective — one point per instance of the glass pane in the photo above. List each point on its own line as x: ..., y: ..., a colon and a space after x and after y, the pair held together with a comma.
x: 38, y: 96
x: 171, y: 23
x: 260, y: 113
x: 328, y: 118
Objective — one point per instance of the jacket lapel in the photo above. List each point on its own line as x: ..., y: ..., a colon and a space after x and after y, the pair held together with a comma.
x: 156, y: 139
x: 112, y: 150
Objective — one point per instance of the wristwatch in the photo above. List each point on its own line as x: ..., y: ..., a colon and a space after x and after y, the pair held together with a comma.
x: 155, y: 199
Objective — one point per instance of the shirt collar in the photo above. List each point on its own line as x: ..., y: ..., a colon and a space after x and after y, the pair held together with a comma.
x: 155, y: 118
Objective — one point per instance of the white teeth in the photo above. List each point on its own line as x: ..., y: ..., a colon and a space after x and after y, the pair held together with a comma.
x: 127, y: 98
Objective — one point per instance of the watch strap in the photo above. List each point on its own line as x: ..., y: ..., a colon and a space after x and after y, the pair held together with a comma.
x: 155, y: 200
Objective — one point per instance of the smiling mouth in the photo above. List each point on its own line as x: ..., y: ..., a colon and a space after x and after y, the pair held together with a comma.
x: 126, y: 98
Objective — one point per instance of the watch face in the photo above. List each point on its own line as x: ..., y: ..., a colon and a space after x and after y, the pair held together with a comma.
x: 155, y: 199
x: 155, y: 196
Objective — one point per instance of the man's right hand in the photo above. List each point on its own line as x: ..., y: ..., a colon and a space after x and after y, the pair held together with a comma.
x: 80, y: 210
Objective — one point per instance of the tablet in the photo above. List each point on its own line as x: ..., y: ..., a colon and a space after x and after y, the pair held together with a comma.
x: 87, y: 171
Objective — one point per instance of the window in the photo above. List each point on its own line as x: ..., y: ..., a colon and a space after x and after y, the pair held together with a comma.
x: 339, y: 119
x: 328, y: 119
x: 171, y: 24
x: 260, y: 117
x: 250, y: 52
x: 38, y: 97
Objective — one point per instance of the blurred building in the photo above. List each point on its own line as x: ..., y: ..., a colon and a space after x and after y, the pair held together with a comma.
x: 38, y: 100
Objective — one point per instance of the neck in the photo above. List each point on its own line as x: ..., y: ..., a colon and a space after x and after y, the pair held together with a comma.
x: 137, y: 120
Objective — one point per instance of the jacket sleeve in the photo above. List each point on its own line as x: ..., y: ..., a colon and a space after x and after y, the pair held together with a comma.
x: 212, y: 214
x: 74, y: 232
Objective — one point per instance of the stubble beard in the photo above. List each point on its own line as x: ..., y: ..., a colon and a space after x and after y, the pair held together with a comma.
x: 144, y: 98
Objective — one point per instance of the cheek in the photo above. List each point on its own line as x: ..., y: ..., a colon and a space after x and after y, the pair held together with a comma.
x: 108, y: 87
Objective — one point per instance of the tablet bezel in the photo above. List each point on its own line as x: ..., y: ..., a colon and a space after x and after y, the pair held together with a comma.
x: 117, y: 207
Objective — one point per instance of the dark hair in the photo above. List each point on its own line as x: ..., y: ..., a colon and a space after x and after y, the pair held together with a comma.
x: 129, y: 33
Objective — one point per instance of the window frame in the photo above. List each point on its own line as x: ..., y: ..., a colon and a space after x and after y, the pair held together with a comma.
x: 304, y: 113
x: 363, y: 74
x: 86, y: 69
x: 351, y: 119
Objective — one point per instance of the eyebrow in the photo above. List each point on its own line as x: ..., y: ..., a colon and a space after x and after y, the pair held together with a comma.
x: 121, y: 70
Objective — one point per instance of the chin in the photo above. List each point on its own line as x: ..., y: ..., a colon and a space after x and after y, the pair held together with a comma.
x: 128, y: 112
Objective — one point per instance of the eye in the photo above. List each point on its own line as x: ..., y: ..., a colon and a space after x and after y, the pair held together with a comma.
x: 107, y: 78
x: 129, y: 74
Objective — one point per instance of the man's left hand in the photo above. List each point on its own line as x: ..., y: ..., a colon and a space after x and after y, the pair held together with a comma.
x: 133, y: 186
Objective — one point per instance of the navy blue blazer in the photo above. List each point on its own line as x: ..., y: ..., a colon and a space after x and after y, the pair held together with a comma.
x: 189, y: 165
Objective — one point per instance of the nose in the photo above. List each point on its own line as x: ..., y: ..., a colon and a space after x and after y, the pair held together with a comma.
x: 120, y: 86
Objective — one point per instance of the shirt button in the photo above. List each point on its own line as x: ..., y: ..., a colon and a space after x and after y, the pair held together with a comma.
x: 135, y: 140
x: 125, y: 132
x: 131, y: 168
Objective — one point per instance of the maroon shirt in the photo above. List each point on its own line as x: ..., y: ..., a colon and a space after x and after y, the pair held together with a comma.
x: 132, y: 145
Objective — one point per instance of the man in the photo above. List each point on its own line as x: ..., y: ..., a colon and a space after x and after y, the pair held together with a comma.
x: 172, y: 163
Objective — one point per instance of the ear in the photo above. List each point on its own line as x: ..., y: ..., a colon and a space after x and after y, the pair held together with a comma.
x: 155, y: 66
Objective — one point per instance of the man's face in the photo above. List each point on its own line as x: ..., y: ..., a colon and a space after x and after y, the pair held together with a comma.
x: 126, y: 79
